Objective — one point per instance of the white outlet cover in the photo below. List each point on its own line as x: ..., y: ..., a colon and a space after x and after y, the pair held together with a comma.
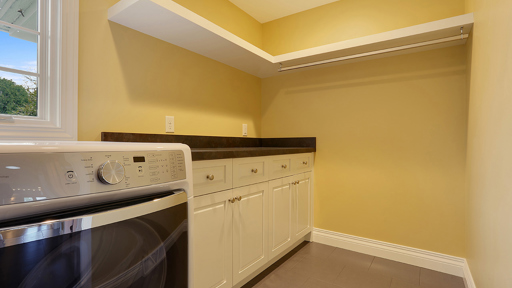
x: 169, y: 124
x: 244, y: 129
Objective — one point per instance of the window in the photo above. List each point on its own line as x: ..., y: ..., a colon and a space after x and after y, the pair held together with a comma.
x: 38, y: 69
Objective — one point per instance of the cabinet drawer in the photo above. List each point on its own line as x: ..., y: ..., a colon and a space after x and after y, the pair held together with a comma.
x: 212, y: 175
x: 302, y: 163
x: 280, y: 166
x: 248, y: 171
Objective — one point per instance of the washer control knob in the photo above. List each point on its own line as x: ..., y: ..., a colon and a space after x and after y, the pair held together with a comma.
x: 111, y: 172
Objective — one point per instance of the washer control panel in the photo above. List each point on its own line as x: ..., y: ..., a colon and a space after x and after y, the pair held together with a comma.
x: 40, y: 176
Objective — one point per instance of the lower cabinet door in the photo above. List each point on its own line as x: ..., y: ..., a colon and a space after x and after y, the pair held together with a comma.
x: 280, y: 213
x: 212, y: 240
x: 250, y: 230
x: 301, y: 205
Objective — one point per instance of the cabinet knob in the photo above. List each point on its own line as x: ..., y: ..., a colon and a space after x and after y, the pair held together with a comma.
x: 210, y: 177
x: 284, y: 166
x: 305, y: 162
x: 239, y: 198
x: 232, y: 200
x: 254, y: 171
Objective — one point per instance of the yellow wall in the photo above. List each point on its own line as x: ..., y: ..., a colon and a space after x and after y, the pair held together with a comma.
x: 129, y: 82
x: 228, y: 16
x: 489, y: 169
x: 391, y: 136
x: 347, y: 19
x: 391, y: 132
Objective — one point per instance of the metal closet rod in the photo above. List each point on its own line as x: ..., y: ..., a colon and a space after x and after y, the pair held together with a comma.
x: 378, y: 52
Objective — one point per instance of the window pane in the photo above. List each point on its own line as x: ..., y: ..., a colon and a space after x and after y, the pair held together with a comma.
x: 16, y: 53
x: 20, y: 12
x: 18, y: 94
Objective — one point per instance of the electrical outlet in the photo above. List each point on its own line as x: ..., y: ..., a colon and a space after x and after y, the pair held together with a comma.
x: 169, y: 124
x: 244, y: 129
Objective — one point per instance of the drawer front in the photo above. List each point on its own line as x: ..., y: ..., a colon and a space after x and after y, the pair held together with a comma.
x: 248, y: 171
x: 302, y: 163
x: 212, y: 176
x: 280, y: 166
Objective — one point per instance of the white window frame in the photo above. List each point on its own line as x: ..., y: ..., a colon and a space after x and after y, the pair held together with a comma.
x: 58, y: 78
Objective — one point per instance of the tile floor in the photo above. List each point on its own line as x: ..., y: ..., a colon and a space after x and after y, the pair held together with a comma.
x: 321, y: 266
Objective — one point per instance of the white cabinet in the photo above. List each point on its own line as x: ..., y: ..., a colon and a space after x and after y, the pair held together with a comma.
x: 301, y: 190
x: 230, y: 235
x: 280, y: 166
x: 248, y: 171
x: 290, y: 211
x: 213, y: 240
x: 250, y: 230
x: 238, y: 231
x: 212, y: 175
x: 301, y: 163
x: 280, y: 215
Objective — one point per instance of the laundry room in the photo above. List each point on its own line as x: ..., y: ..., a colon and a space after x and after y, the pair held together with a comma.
x: 243, y: 143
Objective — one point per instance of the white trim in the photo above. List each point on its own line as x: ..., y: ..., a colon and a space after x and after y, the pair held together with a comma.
x: 468, y: 277
x: 12, y: 70
x: 19, y: 27
x: 69, y: 68
x: 413, y: 256
x: 57, y: 118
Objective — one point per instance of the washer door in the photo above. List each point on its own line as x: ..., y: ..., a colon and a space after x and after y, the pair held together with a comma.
x: 145, y: 251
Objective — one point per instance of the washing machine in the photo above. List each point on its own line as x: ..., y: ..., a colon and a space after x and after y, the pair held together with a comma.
x: 95, y: 214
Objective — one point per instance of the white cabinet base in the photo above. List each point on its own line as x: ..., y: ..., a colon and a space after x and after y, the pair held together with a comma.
x: 272, y: 261
x: 240, y: 232
x: 280, y: 215
x: 301, y: 205
x: 212, y: 234
x: 250, y: 230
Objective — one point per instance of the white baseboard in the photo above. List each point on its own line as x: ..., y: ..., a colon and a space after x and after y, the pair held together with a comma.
x: 413, y: 256
x: 468, y: 278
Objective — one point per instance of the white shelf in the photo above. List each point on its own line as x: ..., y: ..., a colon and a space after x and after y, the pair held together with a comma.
x: 171, y: 22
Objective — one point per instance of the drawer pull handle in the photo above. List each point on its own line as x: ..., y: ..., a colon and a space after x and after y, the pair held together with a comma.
x: 284, y: 166
x: 210, y: 177
x: 254, y: 171
x: 239, y: 198
x: 232, y: 200
x: 305, y: 162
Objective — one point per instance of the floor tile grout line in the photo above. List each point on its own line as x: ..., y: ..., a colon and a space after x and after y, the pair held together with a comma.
x: 321, y: 255
x: 339, y: 273
x: 371, y: 263
x: 421, y: 270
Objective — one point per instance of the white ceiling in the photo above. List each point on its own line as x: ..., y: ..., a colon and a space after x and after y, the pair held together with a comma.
x: 268, y: 10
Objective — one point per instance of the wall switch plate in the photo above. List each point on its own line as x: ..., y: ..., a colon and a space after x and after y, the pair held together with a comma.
x: 244, y: 129
x: 169, y: 124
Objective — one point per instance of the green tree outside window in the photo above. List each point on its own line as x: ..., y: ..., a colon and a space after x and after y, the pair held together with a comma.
x: 17, y: 99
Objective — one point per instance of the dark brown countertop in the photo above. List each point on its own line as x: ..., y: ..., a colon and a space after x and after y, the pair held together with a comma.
x: 213, y: 147
x: 224, y: 153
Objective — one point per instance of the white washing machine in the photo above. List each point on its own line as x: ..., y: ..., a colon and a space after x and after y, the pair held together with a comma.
x: 95, y: 214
